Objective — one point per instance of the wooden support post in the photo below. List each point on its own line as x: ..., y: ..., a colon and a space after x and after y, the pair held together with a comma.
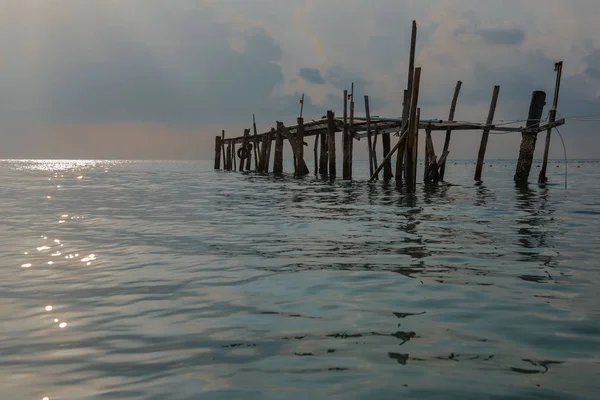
x: 369, y: 140
x: 278, y: 159
x: 223, y: 149
x: 300, y: 168
x: 248, y: 149
x: 316, y: 153
x: 345, y: 157
x: 351, y: 134
x: 415, y: 151
x: 262, y: 158
x: 270, y: 136
x: 427, y: 154
x: 413, y: 124
x: 255, y: 145
x: 229, y: 165
x: 300, y: 141
x: 486, y: 134
x: 401, y: 140
x: 449, y: 131
x: 331, y: 143
x: 431, y: 166
x: 529, y: 136
x: 323, y: 160
x: 542, y: 179
x: 375, y: 154
x: 401, y: 156
x: 387, y: 165
x: 217, y: 152
x: 233, y: 155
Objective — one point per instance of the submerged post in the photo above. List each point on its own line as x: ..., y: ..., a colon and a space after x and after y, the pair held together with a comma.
x: 270, y: 136
x: 331, y: 143
x: 223, y: 149
x: 369, y: 140
x: 255, y: 146
x: 278, y: 159
x: 228, y: 155
x: 375, y: 154
x: 551, y: 118
x: 486, y: 134
x: 387, y: 165
x: 449, y: 131
x: 529, y: 136
x: 217, y: 152
x: 233, y: 155
x: 248, y: 150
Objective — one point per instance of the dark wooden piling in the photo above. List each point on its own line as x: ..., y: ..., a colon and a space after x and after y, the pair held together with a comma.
x: 323, y: 160
x: 278, y: 158
x: 331, y: 143
x: 300, y: 140
x: 270, y: 137
x: 223, y: 149
x: 229, y: 162
x: 375, y: 154
x: 411, y: 143
x: 300, y: 168
x: 542, y: 179
x: 529, y: 136
x: 248, y: 147
x: 345, y: 152
x: 387, y: 165
x: 486, y: 134
x: 449, y: 131
x: 255, y: 143
x: 351, y: 134
x: 402, y: 155
x: 316, y: 153
x: 233, y: 155
x: 217, y: 152
x: 262, y: 158
x: 369, y: 140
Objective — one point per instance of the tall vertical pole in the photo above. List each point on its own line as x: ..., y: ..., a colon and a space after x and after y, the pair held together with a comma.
x: 217, y: 152
x: 486, y: 134
x: 278, y: 159
x: 369, y: 140
x: 350, y: 134
x: 412, y: 133
x: 551, y: 118
x: 407, y: 95
x: 345, y: 167
x: 255, y: 146
x: 223, y: 149
x: 449, y: 131
x: 331, y: 143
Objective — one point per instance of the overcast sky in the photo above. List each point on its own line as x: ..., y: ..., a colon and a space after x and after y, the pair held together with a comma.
x: 159, y: 79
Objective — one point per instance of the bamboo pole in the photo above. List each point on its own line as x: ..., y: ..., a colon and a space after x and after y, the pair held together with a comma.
x: 369, y: 140
x: 331, y: 143
x: 542, y: 179
x: 411, y: 144
x: 449, y: 131
x: 529, y: 136
x: 486, y: 134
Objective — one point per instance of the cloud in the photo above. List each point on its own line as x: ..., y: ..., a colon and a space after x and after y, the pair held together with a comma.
x: 502, y: 36
x: 311, y: 75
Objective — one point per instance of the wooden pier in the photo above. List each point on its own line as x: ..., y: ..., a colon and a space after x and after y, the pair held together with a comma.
x: 257, y: 146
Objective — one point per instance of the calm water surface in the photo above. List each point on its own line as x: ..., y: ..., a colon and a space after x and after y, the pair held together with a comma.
x: 168, y: 280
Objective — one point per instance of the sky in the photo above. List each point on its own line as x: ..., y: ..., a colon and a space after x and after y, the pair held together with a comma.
x: 157, y: 79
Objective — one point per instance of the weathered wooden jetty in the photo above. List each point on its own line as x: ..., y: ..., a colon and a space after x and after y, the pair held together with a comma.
x: 257, y: 146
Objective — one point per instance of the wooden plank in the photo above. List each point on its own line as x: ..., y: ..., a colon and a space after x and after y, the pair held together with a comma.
x: 369, y: 140
x: 331, y: 143
x: 449, y: 131
x: 529, y: 137
x: 486, y: 134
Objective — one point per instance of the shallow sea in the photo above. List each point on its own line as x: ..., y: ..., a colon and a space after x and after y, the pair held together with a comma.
x: 168, y: 280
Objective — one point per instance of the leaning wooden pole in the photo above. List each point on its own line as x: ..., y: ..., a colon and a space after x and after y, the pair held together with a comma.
x: 412, y: 133
x: 278, y: 159
x: 331, y: 143
x: 449, y: 131
x: 529, y: 136
x: 406, y: 101
x: 400, y: 143
x: 369, y: 140
x: 542, y: 179
x: 486, y: 134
